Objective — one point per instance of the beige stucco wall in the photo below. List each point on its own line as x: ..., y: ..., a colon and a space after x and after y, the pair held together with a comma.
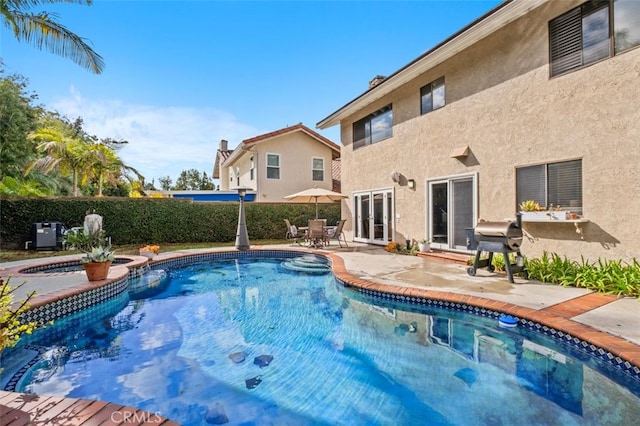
x: 501, y: 102
x: 296, y: 152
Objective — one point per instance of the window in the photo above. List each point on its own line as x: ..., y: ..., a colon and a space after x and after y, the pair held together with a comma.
x: 318, y: 169
x: 551, y: 185
x: 626, y: 16
x: 252, y: 167
x: 584, y: 34
x: 273, y: 166
x: 432, y: 96
x: 373, y: 128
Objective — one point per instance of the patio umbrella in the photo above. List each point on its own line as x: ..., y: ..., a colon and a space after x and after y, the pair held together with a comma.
x: 316, y: 195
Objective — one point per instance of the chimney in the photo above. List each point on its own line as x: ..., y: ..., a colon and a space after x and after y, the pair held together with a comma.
x: 223, y: 145
x: 376, y: 80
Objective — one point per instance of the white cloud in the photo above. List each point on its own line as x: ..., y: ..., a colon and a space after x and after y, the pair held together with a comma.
x: 162, y: 140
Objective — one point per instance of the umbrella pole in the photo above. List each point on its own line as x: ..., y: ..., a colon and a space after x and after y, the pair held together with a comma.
x: 316, y: 208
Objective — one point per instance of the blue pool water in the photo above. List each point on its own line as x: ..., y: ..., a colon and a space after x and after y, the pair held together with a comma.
x: 259, y: 344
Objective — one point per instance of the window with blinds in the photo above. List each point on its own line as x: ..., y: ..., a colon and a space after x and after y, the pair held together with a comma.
x: 591, y: 32
x: 552, y: 185
x: 579, y: 37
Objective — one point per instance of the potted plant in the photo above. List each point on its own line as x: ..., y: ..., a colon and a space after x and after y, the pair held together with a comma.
x: 149, y: 250
x: 97, y: 262
x: 531, y: 210
x: 98, y: 255
x: 424, y: 246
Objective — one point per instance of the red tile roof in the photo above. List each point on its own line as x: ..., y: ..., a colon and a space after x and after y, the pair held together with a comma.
x: 290, y: 129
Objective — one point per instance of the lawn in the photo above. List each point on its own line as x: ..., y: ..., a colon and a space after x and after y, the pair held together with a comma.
x: 13, y: 255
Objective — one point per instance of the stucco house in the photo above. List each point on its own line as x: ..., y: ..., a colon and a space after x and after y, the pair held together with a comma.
x: 536, y: 100
x: 279, y: 163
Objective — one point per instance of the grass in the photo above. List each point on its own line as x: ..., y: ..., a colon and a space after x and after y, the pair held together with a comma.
x: 14, y: 255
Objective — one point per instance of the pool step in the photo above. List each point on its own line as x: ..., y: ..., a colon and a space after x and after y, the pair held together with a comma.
x: 309, y: 264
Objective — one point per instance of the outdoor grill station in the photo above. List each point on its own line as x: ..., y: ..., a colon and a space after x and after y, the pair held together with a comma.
x: 497, y: 237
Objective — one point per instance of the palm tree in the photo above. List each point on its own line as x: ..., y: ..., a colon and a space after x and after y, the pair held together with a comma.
x: 41, y: 30
x: 106, y: 165
x: 65, y: 153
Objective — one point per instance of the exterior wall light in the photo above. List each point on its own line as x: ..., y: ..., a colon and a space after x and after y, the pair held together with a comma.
x: 411, y: 184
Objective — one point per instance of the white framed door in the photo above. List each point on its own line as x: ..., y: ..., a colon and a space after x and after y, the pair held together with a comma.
x: 373, y: 216
x: 451, y: 209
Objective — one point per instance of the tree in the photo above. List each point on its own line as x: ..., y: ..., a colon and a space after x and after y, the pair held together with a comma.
x: 106, y: 165
x: 41, y: 30
x: 165, y: 183
x: 192, y: 180
x: 62, y: 152
x: 18, y: 117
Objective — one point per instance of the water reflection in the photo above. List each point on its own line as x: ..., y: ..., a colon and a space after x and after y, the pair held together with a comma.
x: 538, y: 365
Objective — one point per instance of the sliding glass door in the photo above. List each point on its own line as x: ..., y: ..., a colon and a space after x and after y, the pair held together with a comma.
x: 452, y: 205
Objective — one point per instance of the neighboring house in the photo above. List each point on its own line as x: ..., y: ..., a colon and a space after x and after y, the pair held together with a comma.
x: 537, y: 99
x: 279, y: 163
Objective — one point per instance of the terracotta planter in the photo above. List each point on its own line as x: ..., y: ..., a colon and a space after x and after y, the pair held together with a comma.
x: 97, y: 271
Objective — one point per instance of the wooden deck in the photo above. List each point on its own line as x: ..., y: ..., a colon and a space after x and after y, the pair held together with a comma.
x: 18, y: 409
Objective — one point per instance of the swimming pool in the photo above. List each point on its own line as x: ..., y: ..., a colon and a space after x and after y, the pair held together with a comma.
x: 265, y: 345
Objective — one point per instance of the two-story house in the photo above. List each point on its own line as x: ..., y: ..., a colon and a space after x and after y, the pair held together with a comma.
x: 536, y: 100
x: 279, y: 163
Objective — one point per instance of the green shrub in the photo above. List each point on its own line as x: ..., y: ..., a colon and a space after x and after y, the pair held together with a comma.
x: 153, y: 220
x: 497, y: 261
x: 605, y: 276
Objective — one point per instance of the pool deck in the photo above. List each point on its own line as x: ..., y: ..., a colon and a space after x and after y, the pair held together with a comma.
x: 609, y: 322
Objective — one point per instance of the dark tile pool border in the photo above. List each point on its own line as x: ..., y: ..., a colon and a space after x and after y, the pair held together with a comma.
x: 76, y: 302
x: 52, y: 266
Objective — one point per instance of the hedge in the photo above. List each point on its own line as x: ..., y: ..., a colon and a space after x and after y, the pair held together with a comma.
x: 154, y: 220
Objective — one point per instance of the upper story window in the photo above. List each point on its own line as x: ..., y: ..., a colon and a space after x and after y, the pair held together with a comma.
x: 432, y: 96
x: 273, y: 166
x: 373, y: 128
x: 626, y: 18
x: 593, y: 31
x: 252, y: 167
x: 318, y: 169
x: 551, y: 185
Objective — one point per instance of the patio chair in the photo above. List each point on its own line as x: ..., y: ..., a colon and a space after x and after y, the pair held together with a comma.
x: 315, y: 234
x: 293, y: 233
x: 335, y: 233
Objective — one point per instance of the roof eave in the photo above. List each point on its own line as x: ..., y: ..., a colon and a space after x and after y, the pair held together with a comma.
x: 498, y: 17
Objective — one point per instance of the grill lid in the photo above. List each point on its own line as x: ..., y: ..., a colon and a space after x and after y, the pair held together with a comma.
x: 498, y: 229
x: 504, y: 232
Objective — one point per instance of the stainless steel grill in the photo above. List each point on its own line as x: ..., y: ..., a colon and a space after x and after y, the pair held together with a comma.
x: 496, y: 237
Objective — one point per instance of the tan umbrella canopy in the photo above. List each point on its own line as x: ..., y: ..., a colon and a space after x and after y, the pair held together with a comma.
x: 316, y: 195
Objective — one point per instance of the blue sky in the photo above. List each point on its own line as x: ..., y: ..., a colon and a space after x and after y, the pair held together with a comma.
x: 181, y: 75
